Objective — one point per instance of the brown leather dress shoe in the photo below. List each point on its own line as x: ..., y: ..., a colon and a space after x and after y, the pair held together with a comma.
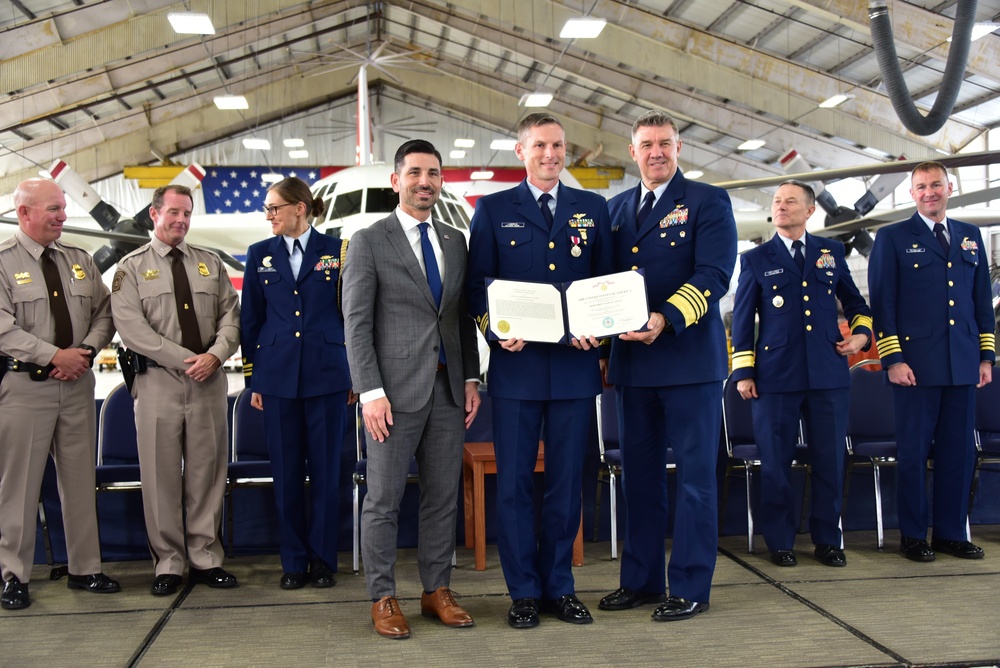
x: 388, y: 619
x: 441, y: 604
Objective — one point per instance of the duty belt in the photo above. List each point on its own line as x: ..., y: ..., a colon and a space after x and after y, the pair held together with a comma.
x: 37, y: 371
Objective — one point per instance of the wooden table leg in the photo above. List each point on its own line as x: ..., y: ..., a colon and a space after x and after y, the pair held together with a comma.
x: 578, y: 545
x: 470, y: 538
x: 479, y: 508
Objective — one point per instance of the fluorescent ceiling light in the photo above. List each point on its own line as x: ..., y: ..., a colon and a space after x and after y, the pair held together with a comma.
x: 503, y: 144
x: 465, y: 143
x: 751, y: 145
x: 271, y: 177
x: 835, y: 101
x: 294, y: 142
x: 257, y: 144
x: 456, y: 155
x: 587, y: 27
x: 231, y: 102
x: 298, y: 154
x: 694, y: 174
x: 483, y: 175
x: 536, y: 100
x: 191, y: 23
x: 982, y: 29
x: 942, y: 151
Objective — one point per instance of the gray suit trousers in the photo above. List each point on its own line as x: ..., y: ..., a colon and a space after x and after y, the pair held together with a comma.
x: 434, y: 435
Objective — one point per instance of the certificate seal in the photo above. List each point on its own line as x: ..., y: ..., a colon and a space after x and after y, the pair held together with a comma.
x: 608, y: 322
x: 503, y: 326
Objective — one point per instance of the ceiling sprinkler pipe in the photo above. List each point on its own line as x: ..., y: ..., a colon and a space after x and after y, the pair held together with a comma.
x: 892, y: 75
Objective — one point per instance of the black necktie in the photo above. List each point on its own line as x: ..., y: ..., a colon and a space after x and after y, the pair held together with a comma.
x: 190, y: 334
x: 543, y: 202
x: 800, y: 259
x: 296, y: 246
x: 942, y: 239
x: 644, y: 210
x: 57, y: 301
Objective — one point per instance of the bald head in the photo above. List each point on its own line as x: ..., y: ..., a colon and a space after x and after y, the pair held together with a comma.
x: 41, y: 209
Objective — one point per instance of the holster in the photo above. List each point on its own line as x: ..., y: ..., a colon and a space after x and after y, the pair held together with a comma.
x: 132, y: 364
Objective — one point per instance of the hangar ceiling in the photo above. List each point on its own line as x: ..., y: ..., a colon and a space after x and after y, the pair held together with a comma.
x: 105, y: 84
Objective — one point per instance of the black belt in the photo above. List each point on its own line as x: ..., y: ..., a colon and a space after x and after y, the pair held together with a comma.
x: 37, y: 371
x: 153, y: 364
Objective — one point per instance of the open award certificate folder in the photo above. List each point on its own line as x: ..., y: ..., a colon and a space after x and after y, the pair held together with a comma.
x: 558, y: 312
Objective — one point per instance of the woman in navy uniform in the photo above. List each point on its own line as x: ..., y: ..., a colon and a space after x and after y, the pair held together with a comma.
x: 295, y: 362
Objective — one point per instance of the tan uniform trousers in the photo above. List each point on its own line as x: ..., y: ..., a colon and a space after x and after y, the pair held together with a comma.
x: 182, y: 433
x: 37, y: 418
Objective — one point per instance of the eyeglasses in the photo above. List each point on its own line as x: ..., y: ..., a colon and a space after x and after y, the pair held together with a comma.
x: 273, y: 209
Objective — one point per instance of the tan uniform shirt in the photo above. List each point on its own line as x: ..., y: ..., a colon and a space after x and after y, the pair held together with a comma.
x: 26, y: 323
x: 146, y: 312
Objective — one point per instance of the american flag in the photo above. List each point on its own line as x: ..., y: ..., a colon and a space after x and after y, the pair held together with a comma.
x: 241, y: 190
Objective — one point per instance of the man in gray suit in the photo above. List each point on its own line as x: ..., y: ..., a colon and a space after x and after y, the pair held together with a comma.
x: 414, y: 362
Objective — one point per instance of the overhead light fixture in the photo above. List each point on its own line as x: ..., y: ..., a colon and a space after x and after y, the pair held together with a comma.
x: 191, y: 23
x: 257, y: 144
x: 456, y: 155
x: 751, y: 145
x: 482, y: 175
x: 294, y: 142
x: 231, y: 102
x: 298, y: 154
x: 694, y: 174
x: 835, y: 101
x: 271, y: 177
x: 982, y: 29
x: 503, y: 144
x: 942, y: 151
x: 535, y: 100
x: 465, y: 143
x: 586, y: 27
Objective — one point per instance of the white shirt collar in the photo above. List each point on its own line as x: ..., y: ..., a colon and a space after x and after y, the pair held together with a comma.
x: 408, y: 222
x: 303, y: 240
x: 537, y: 192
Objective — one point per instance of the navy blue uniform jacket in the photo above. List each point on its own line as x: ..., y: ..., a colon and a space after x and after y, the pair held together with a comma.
x: 687, y: 249
x: 511, y: 241
x: 292, y: 330
x: 932, y: 312
x: 796, y: 345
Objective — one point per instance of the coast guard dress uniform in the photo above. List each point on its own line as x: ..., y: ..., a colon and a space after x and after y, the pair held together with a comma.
x: 933, y: 311
x: 669, y: 392
x: 544, y: 388
x: 180, y: 423
x: 294, y: 355
x: 797, y: 371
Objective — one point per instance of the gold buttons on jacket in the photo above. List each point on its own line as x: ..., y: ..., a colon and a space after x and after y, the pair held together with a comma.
x: 634, y: 267
x: 951, y: 284
x: 809, y: 328
x: 808, y: 312
x: 949, y: 265
x: 951, y: 322
x: 552, y: 244
x: 951, y: 302
x: 297, y: 335
x: 552, y: 267
x: 513, y: 243
x: 297, y: 313
x: 295, y: 292
x: 805, y: 284
x: 805, y: 298
x: 635, y: 249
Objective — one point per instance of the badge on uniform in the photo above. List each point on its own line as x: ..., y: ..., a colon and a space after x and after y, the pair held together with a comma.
x: 580, y: 220
x: 514, y: 224
x: 203, y: 269
x: 265, y: 265
x: 679, y: 216
x: 575, y: 250
x: 826, y: 260
x: 78, y: 272
x: 969, y: 245
x: 150, y: 274
x: 116, y: 283
x: 327, y: 263
x: 778, y: 301
x: 916, y: 250
x: 22, y: 277
x: 773, y: 272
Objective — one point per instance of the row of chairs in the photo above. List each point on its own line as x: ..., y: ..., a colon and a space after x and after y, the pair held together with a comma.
x: 871, y: 442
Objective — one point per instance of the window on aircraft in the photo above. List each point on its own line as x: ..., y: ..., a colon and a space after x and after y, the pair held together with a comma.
x: 346, y: 204
x: 441, y: 213
x: 458, y: 217
x: 381, y: 200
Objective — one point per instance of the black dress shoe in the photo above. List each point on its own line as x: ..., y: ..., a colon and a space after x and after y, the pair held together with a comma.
x: 294, y: 580
x: 15, y: 595
x: 568, y: 608
x: 677, y: 608
x: 216, y: 578
x: 321, y: 575
x: 829, y: 555
x: 166, y: 584
x: 99, y: 583
x: 915, y: 549
x: 783, y: 558
x: 523, y: 614
x: 624, y: 598
x: 962, y: 549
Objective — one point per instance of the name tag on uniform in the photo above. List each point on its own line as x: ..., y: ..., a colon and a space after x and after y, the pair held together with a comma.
x: 916, y: 250
x: 517, y: 224
x: 773, y: 272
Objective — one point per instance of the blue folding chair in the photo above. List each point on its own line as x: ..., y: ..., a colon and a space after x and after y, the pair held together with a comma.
x: 117, y: 448
x: 987, y: 433
x: 250, y: 463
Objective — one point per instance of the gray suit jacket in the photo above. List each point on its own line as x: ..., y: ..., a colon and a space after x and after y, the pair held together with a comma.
x: 392, y: 325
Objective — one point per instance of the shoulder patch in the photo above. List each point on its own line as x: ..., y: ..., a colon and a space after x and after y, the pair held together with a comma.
x: 116, y: 283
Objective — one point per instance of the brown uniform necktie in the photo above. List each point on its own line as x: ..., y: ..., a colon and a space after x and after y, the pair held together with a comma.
x: 57, y: 301
x: 190, y: 334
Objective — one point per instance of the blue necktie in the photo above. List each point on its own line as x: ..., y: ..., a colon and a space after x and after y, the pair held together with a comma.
x: 800, y: 259
x: 942, y: 239
x: 433, y: 275
x: 543, y: 202
x: 645, y: 210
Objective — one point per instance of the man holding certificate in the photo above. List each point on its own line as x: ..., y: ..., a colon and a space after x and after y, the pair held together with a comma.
x: 542, y: 232
x: 669, y: 378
